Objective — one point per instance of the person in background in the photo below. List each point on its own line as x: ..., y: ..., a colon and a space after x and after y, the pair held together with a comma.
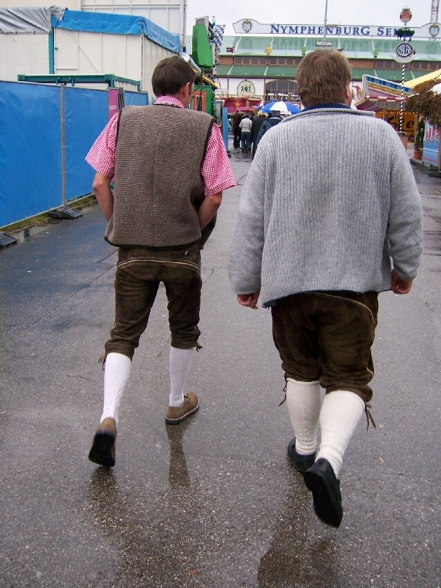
x: 237, y: 117
x: 279, y: 111
x: 168, y: 188
x: 318, y: 252
x: 245, y: 127
x: 255, y: 128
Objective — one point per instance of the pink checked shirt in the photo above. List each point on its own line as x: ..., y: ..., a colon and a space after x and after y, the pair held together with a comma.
x: 216, y: 169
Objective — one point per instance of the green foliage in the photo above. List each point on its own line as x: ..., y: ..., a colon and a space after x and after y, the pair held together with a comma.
x: 426, y: 103
x: 404, y: 33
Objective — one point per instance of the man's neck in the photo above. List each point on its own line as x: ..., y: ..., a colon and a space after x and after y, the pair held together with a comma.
x: 173, y: 100
x: 327, y: 105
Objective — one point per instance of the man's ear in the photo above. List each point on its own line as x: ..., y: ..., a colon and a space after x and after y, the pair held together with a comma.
x: 348, y: 94
x: 187, y: 89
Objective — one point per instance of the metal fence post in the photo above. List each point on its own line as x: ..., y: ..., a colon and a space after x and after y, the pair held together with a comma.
x: 63, y: 212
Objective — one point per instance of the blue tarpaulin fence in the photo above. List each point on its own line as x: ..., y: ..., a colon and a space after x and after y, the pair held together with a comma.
x: 30, y: 163
x: 117, y: 24
x: 85, y: 117
x: 43, y: 145
x: 135, y: 98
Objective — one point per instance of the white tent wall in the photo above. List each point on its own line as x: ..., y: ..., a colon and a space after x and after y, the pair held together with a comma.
x: 97, y: 53
x: 71, y: 4
x: 127, y: 56
x: 151, y: 56
x: 122, y: 45
x: 23, y: 54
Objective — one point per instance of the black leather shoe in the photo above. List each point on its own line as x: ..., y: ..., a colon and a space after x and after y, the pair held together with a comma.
x: 300, y: 462
x: 102, y: 451
x: 321, y: 481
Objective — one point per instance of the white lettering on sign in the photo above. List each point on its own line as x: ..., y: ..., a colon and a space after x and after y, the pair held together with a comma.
x: 363, y: 31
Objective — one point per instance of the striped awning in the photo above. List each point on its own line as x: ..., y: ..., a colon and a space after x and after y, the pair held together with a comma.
x: 426, y: 78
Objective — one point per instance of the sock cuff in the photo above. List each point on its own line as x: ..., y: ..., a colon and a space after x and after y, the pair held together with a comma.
x: 314, y: 383
x: 342, y: 395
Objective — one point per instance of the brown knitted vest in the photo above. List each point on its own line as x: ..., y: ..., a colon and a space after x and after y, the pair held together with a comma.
x: 158, y: 182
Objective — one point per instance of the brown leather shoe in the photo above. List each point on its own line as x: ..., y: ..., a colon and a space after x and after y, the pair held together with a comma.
x: 102, y: 451
x: 177, y: 414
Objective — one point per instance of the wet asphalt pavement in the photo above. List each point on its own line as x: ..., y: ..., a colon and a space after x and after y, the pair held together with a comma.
x: 213, y: 502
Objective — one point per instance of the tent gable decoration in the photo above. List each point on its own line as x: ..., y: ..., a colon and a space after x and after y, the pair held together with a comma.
x: 378, y: 94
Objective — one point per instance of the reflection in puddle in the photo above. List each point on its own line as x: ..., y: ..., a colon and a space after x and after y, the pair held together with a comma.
x: 178, y: 472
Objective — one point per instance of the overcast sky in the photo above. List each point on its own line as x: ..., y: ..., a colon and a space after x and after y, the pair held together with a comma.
x: 348, y: 12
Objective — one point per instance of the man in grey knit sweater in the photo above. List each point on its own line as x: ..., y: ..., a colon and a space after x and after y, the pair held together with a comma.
x: 329, y: 216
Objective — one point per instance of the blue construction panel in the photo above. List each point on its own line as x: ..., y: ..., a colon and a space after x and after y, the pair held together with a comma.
x: 225, y: 127
x: 86, y: 114
x: 30, y: 178
x: 135, y: 98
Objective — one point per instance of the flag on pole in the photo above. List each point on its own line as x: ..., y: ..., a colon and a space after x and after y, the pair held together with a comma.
x: 216, y: 34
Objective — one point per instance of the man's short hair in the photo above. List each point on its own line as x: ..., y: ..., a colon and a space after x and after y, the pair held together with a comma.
x: 170, y: 75
x: 322, y: 77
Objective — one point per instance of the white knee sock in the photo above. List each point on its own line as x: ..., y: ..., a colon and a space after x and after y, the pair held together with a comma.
x: 179, y: 364
x: 339, y: 417
x: 116, y: 374
x: 304, y: 400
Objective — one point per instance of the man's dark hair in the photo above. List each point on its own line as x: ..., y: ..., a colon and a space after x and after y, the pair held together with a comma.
x: 170, y: 75
x: 322, y: 77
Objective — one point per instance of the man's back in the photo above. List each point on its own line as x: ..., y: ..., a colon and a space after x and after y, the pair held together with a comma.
x: 237, y: 117
x: 245, y: 124
x: 327, y: 203
x: 158, y: 184
x: 268, y: 123
x: 255, y: 127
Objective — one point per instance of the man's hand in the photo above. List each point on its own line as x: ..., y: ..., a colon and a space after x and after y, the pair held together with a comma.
x: 249, y: 299
x: 398, y: 285
x: 208, y: 209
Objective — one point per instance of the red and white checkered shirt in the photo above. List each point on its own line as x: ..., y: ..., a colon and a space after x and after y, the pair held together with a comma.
x: 216, y: 169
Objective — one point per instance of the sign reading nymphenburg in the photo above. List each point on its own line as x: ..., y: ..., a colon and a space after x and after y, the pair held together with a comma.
x: 253, y: 27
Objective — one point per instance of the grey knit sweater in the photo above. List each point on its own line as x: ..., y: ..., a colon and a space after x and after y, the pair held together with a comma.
x: 329, y: 198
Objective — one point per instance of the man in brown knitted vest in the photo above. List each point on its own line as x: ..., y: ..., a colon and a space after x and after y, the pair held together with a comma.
x: 170, y: 167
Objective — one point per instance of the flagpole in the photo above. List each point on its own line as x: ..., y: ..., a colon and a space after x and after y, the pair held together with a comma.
x: 184, y: 25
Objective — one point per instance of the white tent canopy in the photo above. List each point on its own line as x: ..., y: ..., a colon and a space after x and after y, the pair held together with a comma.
x: 28, y: 19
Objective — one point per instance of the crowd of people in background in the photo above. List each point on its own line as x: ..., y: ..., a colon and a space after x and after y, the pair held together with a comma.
x: 249, y: 127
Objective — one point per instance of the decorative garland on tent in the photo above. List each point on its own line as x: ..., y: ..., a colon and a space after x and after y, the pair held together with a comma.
x: 425, y: 102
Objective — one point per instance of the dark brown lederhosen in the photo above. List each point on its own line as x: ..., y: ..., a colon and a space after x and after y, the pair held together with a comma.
x: 328, y: 336
x: 138, y: 275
